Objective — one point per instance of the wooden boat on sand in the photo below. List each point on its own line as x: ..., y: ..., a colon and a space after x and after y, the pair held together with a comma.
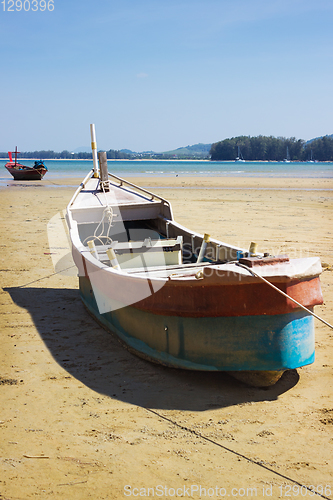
x: 24, y: 173
x: 181, y: 299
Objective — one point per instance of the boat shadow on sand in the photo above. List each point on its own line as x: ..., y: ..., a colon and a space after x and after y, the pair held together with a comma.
x: 97, y: 359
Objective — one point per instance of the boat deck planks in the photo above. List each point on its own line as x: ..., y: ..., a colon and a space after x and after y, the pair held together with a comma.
x: 92, y: 196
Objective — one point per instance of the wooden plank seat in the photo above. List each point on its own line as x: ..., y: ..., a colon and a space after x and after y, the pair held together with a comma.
x: 143, y: 254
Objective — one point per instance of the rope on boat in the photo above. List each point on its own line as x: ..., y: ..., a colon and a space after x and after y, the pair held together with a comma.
x: 106, y: 218
x: 284, y: 294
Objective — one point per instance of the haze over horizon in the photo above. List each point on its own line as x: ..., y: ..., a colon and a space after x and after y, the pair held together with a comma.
x: 161, y: 75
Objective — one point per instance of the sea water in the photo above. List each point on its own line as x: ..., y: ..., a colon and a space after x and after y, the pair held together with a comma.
x: 132, y: 168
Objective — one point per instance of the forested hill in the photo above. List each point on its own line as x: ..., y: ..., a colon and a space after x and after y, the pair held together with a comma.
x: 273, y: 148
x: 197, y: 150
x: 252, y: 148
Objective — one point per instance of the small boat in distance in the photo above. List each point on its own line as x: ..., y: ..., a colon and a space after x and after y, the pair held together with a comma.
x: 312, y: 160
x: 287, y: 159
x: 22, y: 172
x: 183, y: 299
x: 240, y: 156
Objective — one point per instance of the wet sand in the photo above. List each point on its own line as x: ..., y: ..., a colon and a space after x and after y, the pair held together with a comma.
x: 83, y: 418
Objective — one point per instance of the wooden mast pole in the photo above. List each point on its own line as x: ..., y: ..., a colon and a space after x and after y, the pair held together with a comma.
x: 94, y: 148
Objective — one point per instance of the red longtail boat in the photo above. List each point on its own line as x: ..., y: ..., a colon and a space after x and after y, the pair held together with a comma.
x: 22, y: 172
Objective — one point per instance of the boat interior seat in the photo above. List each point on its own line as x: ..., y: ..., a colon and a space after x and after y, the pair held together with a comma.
x: 146, y: 253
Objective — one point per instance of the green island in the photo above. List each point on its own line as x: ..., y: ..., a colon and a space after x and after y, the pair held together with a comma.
x: 260, y: 148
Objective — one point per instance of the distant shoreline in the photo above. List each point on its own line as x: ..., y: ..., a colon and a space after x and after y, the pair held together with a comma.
x: 167, y: 160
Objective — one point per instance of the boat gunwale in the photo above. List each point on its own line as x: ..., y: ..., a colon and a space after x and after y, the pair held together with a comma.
x: 20, y: 166
x: 227, y: 269
x: 153, y: 195
x: 146, y: 273
x: 122, y: 181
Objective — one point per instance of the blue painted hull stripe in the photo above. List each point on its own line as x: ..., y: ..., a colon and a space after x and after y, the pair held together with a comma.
x: 277, y: 342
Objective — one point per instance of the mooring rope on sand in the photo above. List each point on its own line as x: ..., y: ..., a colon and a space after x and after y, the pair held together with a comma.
x: 48, y: 276
x: 259, y: 463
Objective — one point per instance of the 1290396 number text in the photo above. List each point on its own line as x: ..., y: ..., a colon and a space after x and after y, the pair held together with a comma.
x: 27, y: 5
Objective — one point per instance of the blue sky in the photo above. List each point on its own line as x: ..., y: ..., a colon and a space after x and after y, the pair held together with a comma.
x: 161, y: 74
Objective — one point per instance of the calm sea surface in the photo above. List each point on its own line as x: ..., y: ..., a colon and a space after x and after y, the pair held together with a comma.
x: 128, y: 168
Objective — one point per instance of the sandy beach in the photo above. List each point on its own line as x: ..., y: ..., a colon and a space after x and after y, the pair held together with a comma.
x: 82, y: 418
